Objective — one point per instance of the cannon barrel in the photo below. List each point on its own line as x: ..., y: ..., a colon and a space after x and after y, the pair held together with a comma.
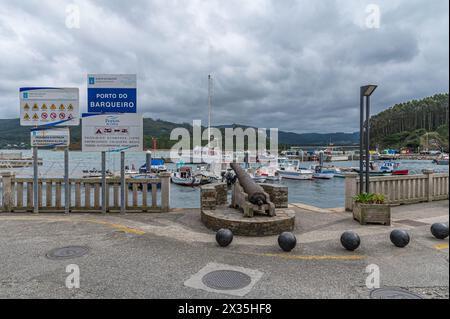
x: 256, y: 194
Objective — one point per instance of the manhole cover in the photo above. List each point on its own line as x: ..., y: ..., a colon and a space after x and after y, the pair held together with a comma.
x: 68, y: 252
x: 226, y: 280
x: 393, y: 293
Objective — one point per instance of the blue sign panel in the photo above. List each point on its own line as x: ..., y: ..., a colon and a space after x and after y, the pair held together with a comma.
x: 112, y: 93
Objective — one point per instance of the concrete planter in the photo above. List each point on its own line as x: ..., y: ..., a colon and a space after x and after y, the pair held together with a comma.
x: 372, y: 213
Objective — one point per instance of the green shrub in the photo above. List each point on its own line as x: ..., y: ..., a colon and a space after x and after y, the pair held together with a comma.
x: 370, y: 198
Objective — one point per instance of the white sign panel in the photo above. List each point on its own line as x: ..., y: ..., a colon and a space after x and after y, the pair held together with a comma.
x: 112, y: 132
x: 49, y: 107
x: 50, y: 138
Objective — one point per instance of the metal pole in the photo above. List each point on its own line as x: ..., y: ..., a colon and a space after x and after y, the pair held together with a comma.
x: 104, y: 188
x: 367, y: 143
x: 122, y: 183
x: 148, y: 163
x: 66, y: 181
x: 35, y: 181
x: 361, y: 142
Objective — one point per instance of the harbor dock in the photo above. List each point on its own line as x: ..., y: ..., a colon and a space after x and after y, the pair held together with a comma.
x: 153, y: 255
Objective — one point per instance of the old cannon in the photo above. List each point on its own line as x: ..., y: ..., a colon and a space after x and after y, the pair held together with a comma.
x: 249, y: 196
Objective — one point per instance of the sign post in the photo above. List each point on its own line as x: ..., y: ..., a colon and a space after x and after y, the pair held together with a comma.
x: 35, y: 181
x: 47, y: 109
x: 66, y: 181
x: 123, y: 188
x: 111, y: 124
x: 104, y: 186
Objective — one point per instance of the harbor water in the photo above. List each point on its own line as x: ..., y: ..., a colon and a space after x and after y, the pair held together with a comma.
x: 320, y: 193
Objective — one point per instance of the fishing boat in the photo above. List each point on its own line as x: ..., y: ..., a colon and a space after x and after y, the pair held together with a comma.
x: 95, y: 173
x: 269, y: 173
x: 205, y: 173
x: 442, y: 160
x: 158, y: 165
x: 292, y: 170
x: 322, y: 173
x: 257, y: 178
x: 184, y: 177
x: 383, y: 169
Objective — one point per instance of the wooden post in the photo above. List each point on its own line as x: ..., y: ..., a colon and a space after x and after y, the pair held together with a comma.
x: 351, y: 190
x: 165, y: 192
x: 7, y: 178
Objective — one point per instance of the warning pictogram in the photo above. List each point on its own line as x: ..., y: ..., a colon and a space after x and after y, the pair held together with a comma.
x: 70, y: 107
x: 35, y: 107
x: 35, y: 117
x: 53, y: 107
x: 44, y: 106
x: 26, y: 117
x: 26, y: 107
x: 62, y: 107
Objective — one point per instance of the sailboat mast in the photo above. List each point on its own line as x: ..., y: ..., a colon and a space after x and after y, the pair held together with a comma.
x: 209, y: 106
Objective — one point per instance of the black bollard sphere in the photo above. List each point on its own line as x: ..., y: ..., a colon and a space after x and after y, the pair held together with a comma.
x: 224, y: 237
x: 439, y: 230
x: 400, y: 238
x: 287, y: 241
x: 350, y: 240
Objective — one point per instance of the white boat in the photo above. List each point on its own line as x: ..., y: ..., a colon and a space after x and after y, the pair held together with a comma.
x: 321, y: 172
x: 269, y: 173
x: 184, y: 177
x: 258, y: 178
x: 16, y: 160
x: 292, y: 170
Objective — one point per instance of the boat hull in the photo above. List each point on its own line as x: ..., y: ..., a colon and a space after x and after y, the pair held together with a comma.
x: 296, y: 176
x: 323, y: 176
x: 190, y: 181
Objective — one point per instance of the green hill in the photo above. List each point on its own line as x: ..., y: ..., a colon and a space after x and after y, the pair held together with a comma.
x: 13, y: 136
x: 414, y: 124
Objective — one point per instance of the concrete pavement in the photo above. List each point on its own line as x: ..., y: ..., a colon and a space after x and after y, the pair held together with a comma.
x: 153, y: 255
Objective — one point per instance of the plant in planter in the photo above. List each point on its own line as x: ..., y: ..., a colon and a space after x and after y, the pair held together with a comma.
x: 371, y: 208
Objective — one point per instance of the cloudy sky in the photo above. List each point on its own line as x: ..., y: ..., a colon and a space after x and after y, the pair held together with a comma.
x: 292, y: 64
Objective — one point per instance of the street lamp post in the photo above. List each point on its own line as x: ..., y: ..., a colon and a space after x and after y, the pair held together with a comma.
x: 364, y: 139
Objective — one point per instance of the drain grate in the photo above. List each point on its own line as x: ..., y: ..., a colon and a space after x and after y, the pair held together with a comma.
x: 68, y: 252
x: 226, y: 280
x: 393, y: 293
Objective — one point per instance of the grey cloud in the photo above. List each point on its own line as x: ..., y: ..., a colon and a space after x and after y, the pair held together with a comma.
x: 296, y: 65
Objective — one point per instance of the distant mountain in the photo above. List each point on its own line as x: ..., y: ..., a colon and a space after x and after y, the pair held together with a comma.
x: 13, y: 136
